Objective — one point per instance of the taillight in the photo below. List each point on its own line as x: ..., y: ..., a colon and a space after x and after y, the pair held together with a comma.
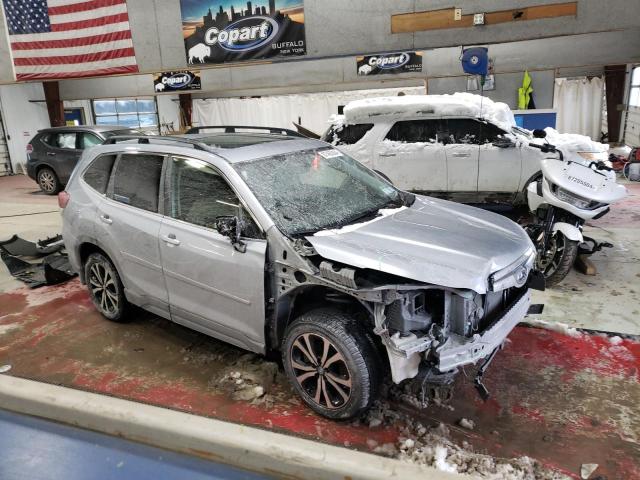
x: 29, y: 149
x: 63, y: 199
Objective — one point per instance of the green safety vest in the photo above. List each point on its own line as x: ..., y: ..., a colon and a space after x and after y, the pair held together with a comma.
x: 524, y: 92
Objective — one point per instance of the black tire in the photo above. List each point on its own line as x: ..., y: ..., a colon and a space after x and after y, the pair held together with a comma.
x: 105, y: 288
x: 560, y: 265
x: 356, y: 363
x: 48, y: 181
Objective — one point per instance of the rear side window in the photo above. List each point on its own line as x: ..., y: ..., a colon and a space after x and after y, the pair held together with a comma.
x: 136, y: 181
x: 88, y: 140
x: 470, y: 131
x: 348, y: 134
x: 415, y: 131
x: 98, y: 173
x: 66, y: 140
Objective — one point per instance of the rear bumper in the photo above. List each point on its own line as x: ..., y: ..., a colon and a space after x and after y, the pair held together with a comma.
x: 458, y: 351
x: 31, y: 170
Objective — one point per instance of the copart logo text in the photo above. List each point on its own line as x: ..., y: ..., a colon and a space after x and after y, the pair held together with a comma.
x: 178, y: 80
x: 245, y: 34
x: 389, y: 61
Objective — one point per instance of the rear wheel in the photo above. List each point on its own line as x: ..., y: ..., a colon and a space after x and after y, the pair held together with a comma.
x: 48, y: 181
x: 557, y: 261
x: 105, y: 287
x: 331, y: 363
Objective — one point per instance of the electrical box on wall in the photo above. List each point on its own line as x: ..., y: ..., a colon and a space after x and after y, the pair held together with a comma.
x: 478, y: 19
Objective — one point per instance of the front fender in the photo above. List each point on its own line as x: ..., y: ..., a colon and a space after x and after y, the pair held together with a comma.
x: 570, y: 231
x: 534, y: 196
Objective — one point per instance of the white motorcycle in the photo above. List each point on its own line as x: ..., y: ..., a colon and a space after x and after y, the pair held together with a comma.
x: 570, y: 192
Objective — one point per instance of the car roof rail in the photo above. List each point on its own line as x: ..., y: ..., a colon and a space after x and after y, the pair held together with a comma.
x: 233, y: 129
x: 146, y: 139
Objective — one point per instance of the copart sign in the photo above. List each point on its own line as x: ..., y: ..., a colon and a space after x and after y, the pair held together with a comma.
x: 177, y: 81
x: 220, y: 31
x: 401, y: 62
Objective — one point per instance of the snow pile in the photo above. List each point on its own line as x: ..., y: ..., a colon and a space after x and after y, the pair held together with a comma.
x: 9, y: 327
x: 554, y: 326
x: 432, y: 446
x: 572, y: 142
x: 615, y: 340
x: 466, y: 423
x: 384, y: 212
x: 457, y: 104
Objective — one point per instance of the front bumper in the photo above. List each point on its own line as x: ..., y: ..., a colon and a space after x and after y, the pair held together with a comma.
x: 458, y: 350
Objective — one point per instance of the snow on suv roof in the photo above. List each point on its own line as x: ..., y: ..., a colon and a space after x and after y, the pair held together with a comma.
x: 457, y: 104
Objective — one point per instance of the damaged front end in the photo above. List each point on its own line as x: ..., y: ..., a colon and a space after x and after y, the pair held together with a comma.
x: 430, y: 331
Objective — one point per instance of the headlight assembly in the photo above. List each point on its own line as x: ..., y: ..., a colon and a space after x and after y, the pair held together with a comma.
x: 572, y: 198
x: 515, y: 275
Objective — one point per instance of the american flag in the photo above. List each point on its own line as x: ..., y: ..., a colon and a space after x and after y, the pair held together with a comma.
x: 53, y: 39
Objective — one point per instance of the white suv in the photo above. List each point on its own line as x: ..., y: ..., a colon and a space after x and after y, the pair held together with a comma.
x: 459, y: 146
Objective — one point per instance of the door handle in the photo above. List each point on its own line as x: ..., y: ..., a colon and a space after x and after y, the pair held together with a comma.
x: 106, y: 219
x: 170, y: 239
x: 460, y: 155
x: 51, y: 154
x: 387, y: 154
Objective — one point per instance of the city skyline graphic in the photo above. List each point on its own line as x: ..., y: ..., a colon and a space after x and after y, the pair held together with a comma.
x: 195, y: 10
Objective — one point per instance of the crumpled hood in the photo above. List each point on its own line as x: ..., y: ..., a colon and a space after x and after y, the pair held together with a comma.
x: 433, y: 241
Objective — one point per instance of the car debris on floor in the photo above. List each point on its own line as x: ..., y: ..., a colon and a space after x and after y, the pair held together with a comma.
x: 51, y: 266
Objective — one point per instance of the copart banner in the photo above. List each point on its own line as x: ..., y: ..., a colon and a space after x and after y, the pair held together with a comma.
x: 220, y: 31
x: 177, y: 81
x: 401, y: 62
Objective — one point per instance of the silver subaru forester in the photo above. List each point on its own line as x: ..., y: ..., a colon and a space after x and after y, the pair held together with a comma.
x: 277, y: 243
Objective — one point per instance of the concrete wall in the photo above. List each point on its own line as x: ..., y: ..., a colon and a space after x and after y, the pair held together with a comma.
x: 578, y: 55
x: 506, y: 90
x: 6, y: 63
x: 336, y: 27
x: 22, y: 118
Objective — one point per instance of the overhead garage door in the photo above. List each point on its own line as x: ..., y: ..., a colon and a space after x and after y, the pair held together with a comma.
x: 632, y: 128
x: 4, y: 152
x: 632, y: 122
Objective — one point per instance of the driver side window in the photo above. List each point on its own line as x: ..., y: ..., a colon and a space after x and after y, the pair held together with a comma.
x: 198, y: 194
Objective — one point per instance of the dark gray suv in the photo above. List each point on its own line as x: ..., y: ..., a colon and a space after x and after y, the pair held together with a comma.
x: 53, y: 152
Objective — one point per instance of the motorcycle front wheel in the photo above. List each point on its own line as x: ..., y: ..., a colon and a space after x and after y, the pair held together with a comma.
x: 557, y: 261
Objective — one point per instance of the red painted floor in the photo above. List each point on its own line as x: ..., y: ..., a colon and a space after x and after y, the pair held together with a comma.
x: 559, y: 399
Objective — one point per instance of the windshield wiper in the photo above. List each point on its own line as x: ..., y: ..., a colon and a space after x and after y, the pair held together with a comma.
x: 373, y: 212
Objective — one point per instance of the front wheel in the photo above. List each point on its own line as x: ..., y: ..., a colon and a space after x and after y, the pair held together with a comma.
x: 331, y: 363
x: 557, y: 261
x: 105, y: 288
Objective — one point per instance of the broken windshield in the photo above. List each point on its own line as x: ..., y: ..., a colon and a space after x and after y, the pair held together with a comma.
x: 307, y: 191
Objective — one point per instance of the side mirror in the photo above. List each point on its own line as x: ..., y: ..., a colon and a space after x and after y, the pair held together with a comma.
x: 503, y: 143
x: 230, y: 226
x: 538, y: 133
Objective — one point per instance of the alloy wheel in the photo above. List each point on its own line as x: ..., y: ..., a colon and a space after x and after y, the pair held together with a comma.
x: 321, y: 370
x: 47, y: 181
x: 550, y: 261
x: 103, y: 288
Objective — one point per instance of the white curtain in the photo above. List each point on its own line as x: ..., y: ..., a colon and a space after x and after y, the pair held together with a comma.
x: 579, y: 106
x: 313, y: 109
